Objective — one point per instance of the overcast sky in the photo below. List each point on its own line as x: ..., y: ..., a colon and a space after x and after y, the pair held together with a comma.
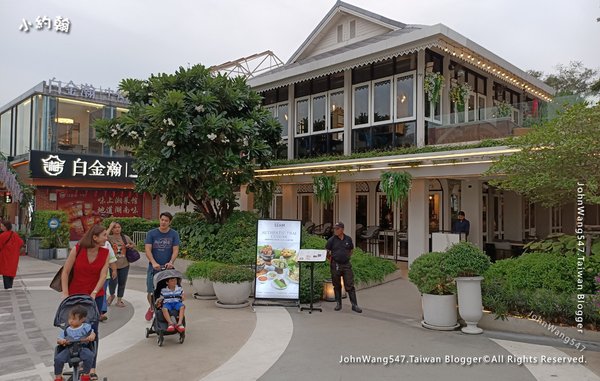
x: 114, y: 39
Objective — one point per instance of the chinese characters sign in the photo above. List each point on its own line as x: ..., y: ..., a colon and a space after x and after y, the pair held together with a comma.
x: 61, y: 24
x: 88, y: 207
x: 74, y: 166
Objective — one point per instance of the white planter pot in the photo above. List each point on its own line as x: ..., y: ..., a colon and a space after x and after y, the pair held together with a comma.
x: 203, y: 288
x: 61, y: 253
x: 233, y: 293
x: 470, y: 306
x: 439, y: 312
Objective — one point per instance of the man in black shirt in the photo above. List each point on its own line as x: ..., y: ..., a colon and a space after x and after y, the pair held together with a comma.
x: 462, y: 225
x: 339, y: 250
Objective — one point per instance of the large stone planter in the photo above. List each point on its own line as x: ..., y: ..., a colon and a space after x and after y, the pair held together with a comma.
x: 470, y: 305
x: 46, y: 254
x: 62, y: 253
x: 439, y: 312
x: 203, y: 289
x: 232, y: 295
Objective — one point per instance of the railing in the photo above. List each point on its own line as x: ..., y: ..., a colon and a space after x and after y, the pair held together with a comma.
x: 139, y: 237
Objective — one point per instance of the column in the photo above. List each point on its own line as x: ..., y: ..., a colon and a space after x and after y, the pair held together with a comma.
x: 446, y: 91
x: 347, y: 208
x: 246, y: 200
x: 420, y: 99
x: 290, y: 209
x: 291, y: 121
x: 418, y: 219
x: 513, y: 216
x: 471, y: 203
x: 348, y: 112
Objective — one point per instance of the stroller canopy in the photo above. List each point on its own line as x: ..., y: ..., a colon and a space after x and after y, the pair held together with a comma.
x: 166, y: 274
x: 62, y: 314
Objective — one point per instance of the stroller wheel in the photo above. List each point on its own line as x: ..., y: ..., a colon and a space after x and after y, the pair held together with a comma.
x: 181, y: 338
x: 160, y: 340
x: 147, y: 332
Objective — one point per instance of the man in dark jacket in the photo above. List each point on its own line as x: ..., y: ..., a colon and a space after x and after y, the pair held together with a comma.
x: 339, y: 250
x: 462, y: 225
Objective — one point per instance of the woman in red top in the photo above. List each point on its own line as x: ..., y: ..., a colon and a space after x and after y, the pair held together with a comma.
x: 89, y: 262
x: 10, y: 247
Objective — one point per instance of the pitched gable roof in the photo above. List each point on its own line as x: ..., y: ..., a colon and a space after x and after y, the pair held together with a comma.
x: 330, y: 21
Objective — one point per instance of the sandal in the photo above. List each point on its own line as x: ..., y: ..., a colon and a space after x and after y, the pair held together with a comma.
x: 93, y: 377
x: 110, y: 299
x: 120, y: 303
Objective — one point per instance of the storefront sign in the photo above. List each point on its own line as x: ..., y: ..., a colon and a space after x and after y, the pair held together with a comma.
x: 88, y: 207
x: 277, y: 269
x: 85, y: 91
x: 74, y: 166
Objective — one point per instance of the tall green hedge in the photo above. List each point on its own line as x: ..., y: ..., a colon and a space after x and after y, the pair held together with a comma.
x: 51, y: 239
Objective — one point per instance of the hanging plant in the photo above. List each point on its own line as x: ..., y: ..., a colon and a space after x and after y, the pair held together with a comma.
x: 263, y: 196
x: 324, y: 187
x: 504, y: 109
x: 434, y: 82
x: 458, y: 93
x: 396, y: 186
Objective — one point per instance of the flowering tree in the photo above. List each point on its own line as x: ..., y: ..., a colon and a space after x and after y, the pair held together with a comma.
x: 196, y: 137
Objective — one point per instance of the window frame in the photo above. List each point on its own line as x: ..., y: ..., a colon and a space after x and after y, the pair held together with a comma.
x: 329, y: 93
x: 413, y: 74
x: 324, y: 94
x: 372, y: 101
x: 354, y: 87
x: 309, y: 116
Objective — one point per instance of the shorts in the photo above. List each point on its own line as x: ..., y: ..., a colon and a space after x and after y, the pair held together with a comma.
x: 173, y: 306
x: 150, y: 280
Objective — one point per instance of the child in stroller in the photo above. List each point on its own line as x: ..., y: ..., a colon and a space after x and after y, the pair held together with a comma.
x: 76, y: 340
x: 169, y: 311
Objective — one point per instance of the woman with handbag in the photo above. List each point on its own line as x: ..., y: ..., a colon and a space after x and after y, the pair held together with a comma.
x: 10, y: 248
x: 88, y: 262
x: 120, y: 244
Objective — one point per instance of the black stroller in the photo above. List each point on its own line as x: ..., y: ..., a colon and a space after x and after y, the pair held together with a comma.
x: 61, y: 320
x: 159, y: 324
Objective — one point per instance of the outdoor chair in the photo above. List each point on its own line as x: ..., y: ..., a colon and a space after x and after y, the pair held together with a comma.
x: 323, y: 230
x: 309, y: 226
x: 371, y: 236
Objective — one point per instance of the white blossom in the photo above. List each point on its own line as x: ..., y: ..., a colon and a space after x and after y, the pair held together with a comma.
x: 199, y: 108
x: 225, y: 140
x: 164, y: 121
x: 171, y: 143
x: 170, y: 122
x: 211, y: 136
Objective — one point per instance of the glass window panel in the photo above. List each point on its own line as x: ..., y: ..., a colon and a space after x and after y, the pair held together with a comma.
x: 471, y: 107
x: 383, y: 137
x: 404, y: 97
x: 302, y: 147
x: 23, y: 128
x: 319, y: 107
x: 319, y: 144
x: 481, y: 104
x: 302, y: 117
x: 282, y: 117
x: 381, y: 101
x: 336, y: 114
x: 361, y: 105
x: 404, y: 134
x: 336, y: 143
x: 5, y: 121
x: 481, y: 86
x: 361, y: 139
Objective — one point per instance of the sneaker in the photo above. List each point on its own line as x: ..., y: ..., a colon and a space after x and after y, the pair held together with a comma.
x: 180, y: 328
x: 171, y: 328
x: 149, y: 314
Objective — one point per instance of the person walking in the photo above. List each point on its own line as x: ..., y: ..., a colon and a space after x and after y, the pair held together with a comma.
x: 88, y: 261
x: 162, y: 248
x: 120, y: 243
x: 111, y: 274
x: 462, y: 225
x: 339, y: 250
x: 10, y: 249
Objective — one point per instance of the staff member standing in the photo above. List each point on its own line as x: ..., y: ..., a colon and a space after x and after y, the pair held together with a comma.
x: 339, y: 250
x: 462, y: 225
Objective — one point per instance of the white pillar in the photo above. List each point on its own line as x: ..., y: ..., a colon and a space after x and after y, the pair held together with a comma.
x: 291, y: 121
x: 471, y: 203
x: 420, y: 99
x: 246, y: 200
x: 348, y: 112
x: 290, y: 209
x: 347, y: 208
x: 418, y: 219
x: 513, y: 216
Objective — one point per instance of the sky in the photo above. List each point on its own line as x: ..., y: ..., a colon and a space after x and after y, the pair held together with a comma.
x: 114, y: 39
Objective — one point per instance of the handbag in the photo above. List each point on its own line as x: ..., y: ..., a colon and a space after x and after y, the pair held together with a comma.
x: 56, y: 283
x: 132, y: 255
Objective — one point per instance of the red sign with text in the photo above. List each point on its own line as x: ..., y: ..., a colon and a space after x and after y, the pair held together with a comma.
x: 88, y: 207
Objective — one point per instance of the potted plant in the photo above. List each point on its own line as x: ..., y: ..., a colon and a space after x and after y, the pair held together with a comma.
x: 325, y: 187
x: 433, y: 84
x: 504, y: 109
x: 396, y: 186
x: 458, y: 94
x: 232, y: 285
x: 197, y: 273
x: 437, y: 287
x: 51, y: 238
x: 466, y: 263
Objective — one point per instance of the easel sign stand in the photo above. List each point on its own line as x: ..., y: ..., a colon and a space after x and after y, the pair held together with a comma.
x: 311, y: 256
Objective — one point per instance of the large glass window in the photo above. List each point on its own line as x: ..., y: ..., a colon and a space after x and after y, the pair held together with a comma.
x: 361, y: 105
x: 405, y: 97
x: 282, y: 117
x: 302, y: 117
x: 23, y: 129
x: 319, y: 111
x: 382, y: 101
x: 5, y: 122
x: 74, y: 121
x: 336, y: 104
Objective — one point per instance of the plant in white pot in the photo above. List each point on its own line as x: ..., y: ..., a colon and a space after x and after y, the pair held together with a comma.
x: 437, y: 287
x: 466, y: 263
x: 232, y: 285
x: 197, y: 273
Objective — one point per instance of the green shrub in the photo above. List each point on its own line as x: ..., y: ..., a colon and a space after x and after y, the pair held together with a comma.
x: 427, y: 272
x: 465, y: 260
x: 200, y: 269
x: 181, y: 220
x: 51, y: 239
x: 132, y: 224
x: 320, y: 275
x: 224, y: 273
x: 561, y: 243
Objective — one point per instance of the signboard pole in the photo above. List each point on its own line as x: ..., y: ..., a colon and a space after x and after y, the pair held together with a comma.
x: 311, y: 308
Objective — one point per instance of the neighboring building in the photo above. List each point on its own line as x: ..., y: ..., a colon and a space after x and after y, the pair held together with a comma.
x: 357, y: 84
x: 48, y: 138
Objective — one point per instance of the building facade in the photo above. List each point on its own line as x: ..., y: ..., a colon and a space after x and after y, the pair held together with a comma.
x: 362, y: 83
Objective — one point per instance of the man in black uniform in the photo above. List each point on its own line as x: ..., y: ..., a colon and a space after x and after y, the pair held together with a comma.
x: 462, y: 225
x: 339, y: 249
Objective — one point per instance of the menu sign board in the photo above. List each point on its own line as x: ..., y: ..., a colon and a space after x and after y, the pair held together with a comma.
x: 277, y: 268
x: 312, y: 255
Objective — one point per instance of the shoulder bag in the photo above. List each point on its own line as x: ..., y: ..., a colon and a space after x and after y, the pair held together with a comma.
x: 56, y: 283
x: 132, y: 255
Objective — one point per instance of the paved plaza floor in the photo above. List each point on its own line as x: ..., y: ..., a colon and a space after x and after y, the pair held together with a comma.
x: 385, y: 342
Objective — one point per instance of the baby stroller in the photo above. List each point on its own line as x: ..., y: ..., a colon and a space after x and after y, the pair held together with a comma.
x: 159, y: 324
x: 61, y: 320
